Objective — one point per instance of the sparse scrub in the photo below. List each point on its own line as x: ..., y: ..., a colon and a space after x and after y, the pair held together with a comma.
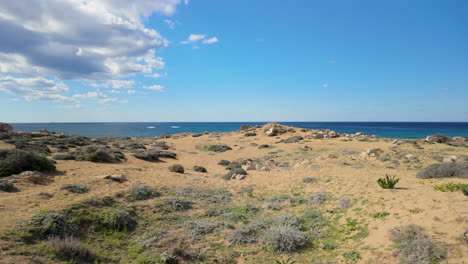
x: 444, y: 170
x: 176, y: 168
x: 198, y: 229
x: 75, y: 188
x: 309, y: 180
x: 177, y: 204
x: 142, y: 192
x: 318, y: 198
x: 416, y: 247
x: 352, y: 255
x: 49, y: 224
x: 380, y: 214
x: 275, y: 206
x: 70, y: 248
x: 45, y: 195
x: 151, y: 237
x: 388, y: 182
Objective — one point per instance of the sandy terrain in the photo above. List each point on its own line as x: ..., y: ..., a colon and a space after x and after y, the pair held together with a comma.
x: 339, y: 166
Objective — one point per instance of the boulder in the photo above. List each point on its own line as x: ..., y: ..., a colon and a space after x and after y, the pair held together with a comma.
x: 117, y: 178
x: 293, y: 139
x: 5, y: 128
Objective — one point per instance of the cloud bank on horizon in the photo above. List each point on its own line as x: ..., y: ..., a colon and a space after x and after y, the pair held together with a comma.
x: 100, y: 43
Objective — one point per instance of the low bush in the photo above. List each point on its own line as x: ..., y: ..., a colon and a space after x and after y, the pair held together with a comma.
x: 197, y: 229
x: 309, y: 179
x: 344, y: 203
x: 199, y: 169
x: 235, y: 171
x: 444, y: 170
x: 285, y: 238
x: 70, y: 248
x: 387, y: 182
x: 5, y: 128
x: 7, y: 186
x: 64, y: 157
x: 50, y: 224
x: 151, y: 237
x: 118, y: 220
x: 288, y: 220
x: 416, y: 247
x: 147, y: 155
x: 176, y: 168
x: 177, y: 204
x: 217, y: 147
x: 14, y: 161
x: 224, y: 162
x: 95, y: 153
x: 75, y: 188
x: 352, y: 255
x: 141, y: 192
x: 464, y: 190
x: 246, y: 234
x: 450, y: 187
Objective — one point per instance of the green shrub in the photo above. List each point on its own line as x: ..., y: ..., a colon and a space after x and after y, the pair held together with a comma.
x: 141, y: 192
x: 416, y: 247
x: 199, y: 169
x: 380, y: 214
x: 75, y: 188
x: 70, y: 248
x: 233, y: 172
x: 118, y: 219
x: 464, y: 190
x: 7, y: 186
x: 387, y: 182
x: 217, y: 147
x: 176, y: 168
x: 151, y: 237
x: 444, y: 170
x: 14, y: 161
x: 197, y: 229
x: 50, y: 224
x: 95, y: 153
x: 450, y: 187
x: 286, y: 261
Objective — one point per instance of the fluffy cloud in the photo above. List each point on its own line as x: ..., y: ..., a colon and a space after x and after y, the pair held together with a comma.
x: 155, y: 88
x: 156, y: 75
x: 210, y: 40
x: 88, y: 40
x: 325, y: 85
x: 193, y: 38
x: 35, y: 89
x: 115, y: 84
x: 91, y: 95
x: 170, y: 23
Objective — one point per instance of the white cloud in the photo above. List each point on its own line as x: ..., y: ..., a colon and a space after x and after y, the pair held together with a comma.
x: 108, y: 100
x: 155, y: 88
x: 35, y: 89
x: 131, y: 92
x: 156, y: 75
x: 80, y: 40
x: 325, y: 85
x: 91, y: 95
x: 193, y: 38
x: 170, y: 23
x: 186, y: 2
x: 76, y: 106
x: 210, y: 40
x: 115, y: 84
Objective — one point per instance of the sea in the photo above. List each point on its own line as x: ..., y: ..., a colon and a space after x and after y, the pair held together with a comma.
x: 152, y: 129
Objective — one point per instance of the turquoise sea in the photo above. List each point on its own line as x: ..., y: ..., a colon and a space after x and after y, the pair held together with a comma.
x: 151, y: 129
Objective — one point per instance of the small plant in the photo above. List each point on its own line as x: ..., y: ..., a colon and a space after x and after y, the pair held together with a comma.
x: 380, y: 214
x: 309, y: 180
x: 118, y: 219
x: 352, y: 255
x: 450, y: 187
x: 45, y: 195
x: 388, y: 182
x: 75, y: 188
x: 286, y: 261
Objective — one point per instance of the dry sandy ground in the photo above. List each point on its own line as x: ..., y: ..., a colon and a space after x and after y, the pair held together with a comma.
x: 443, y: 214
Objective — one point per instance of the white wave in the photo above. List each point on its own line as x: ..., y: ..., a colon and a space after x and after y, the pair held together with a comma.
x: 151, y: 127
x: 175, y: 126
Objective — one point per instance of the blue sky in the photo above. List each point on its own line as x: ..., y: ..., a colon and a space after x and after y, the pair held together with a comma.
x: 245, y: 61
